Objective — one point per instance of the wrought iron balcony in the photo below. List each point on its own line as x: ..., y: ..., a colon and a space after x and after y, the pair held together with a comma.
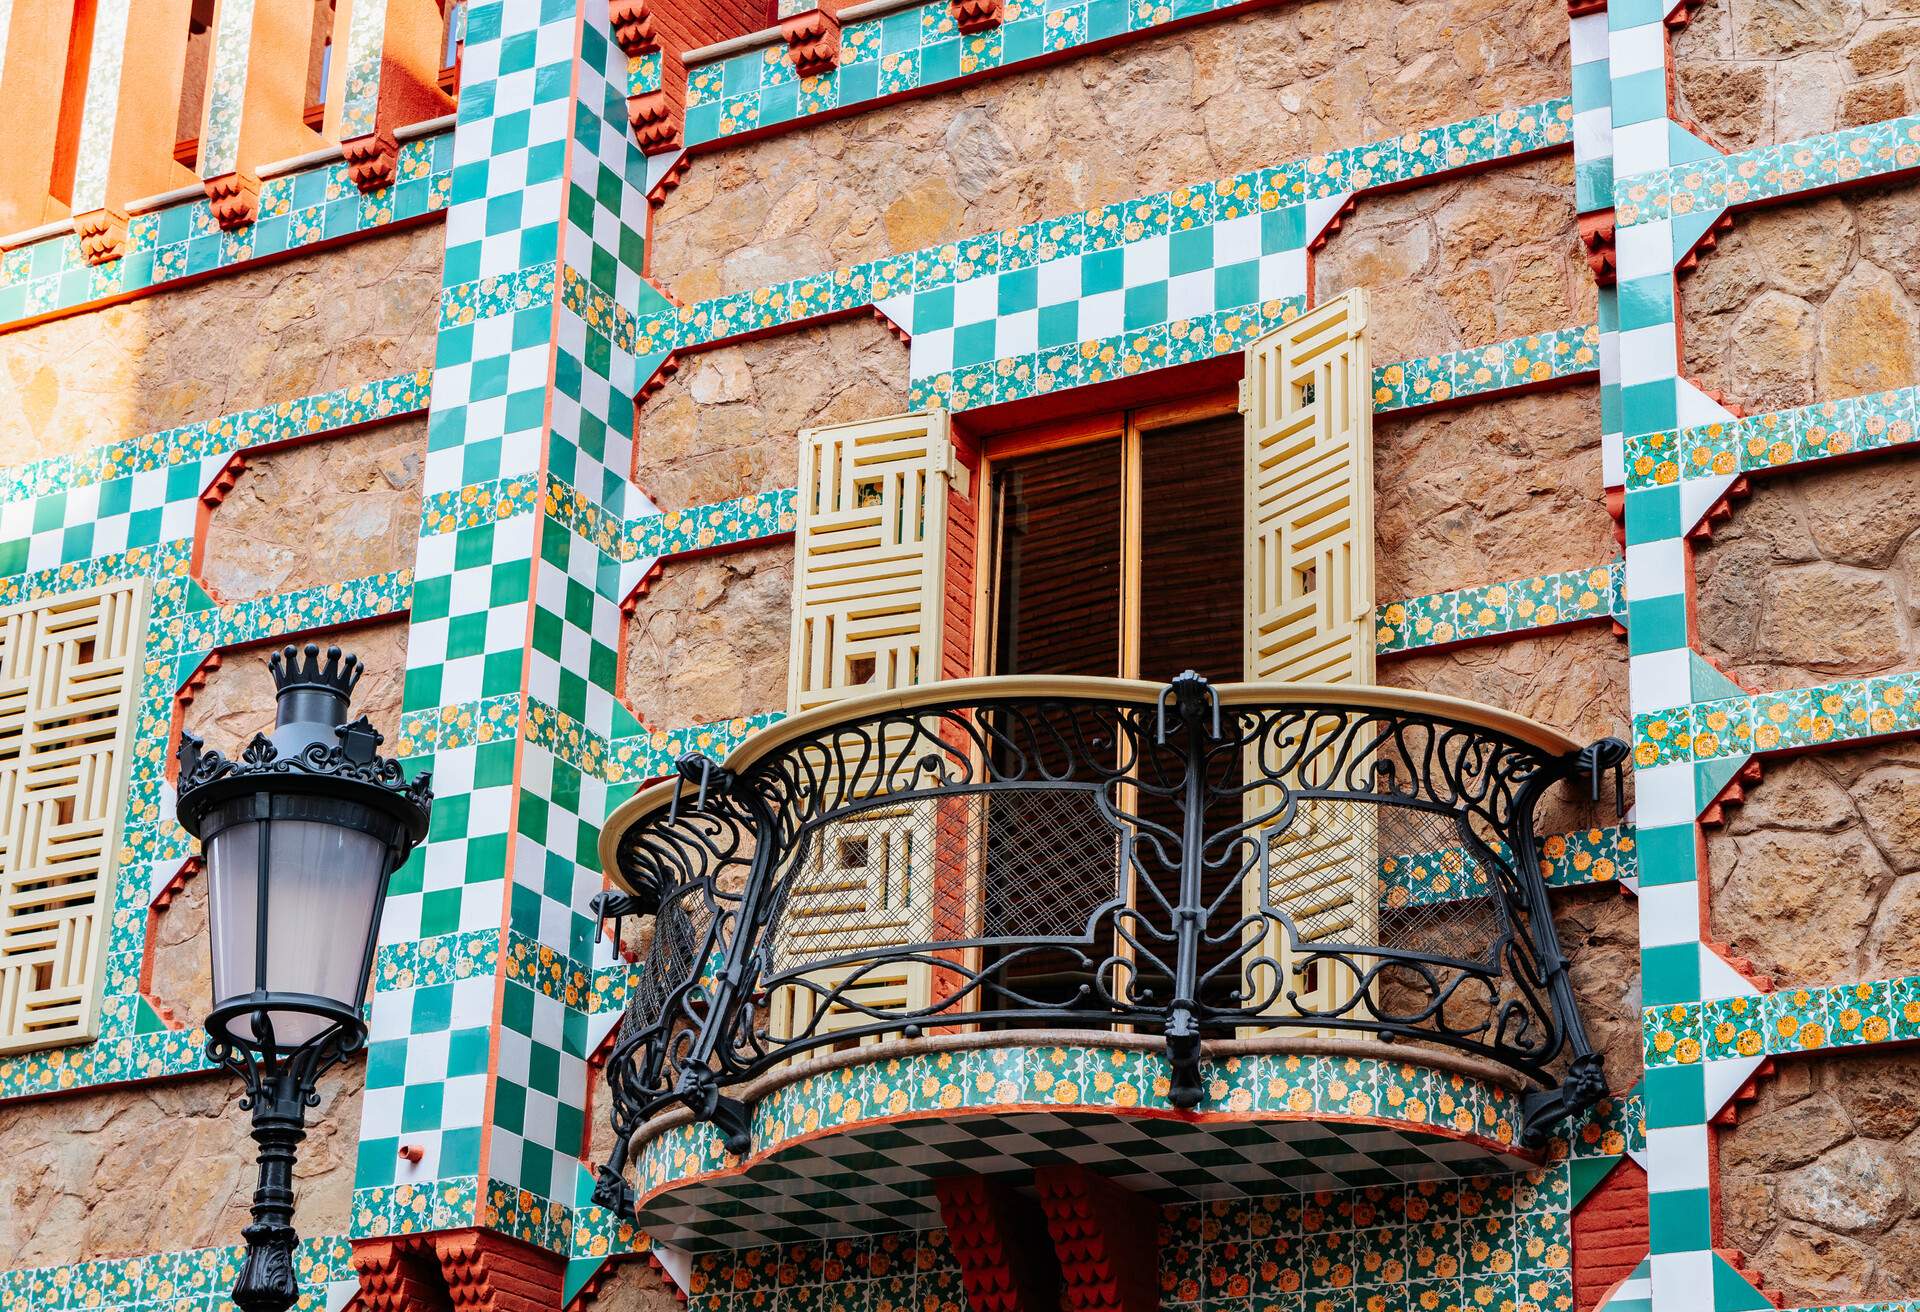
x: 1192, y: 862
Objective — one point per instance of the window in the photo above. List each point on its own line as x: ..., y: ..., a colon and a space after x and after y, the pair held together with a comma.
x: 69, y: 666
x: 1117, y: 547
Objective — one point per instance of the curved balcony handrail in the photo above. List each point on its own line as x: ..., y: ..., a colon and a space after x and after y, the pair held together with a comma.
x: 1191, y: 861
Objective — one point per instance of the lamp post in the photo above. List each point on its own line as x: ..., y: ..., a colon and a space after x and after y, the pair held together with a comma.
x: 300, y: 835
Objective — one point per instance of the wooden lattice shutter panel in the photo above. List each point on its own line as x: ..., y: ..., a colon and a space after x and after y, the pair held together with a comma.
x: 1308, y: 414
x: 869, y: 614
x: 870, y: 551
x: 69, y: 668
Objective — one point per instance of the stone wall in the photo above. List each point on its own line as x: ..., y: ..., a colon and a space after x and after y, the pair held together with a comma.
x: 632, y: 1285
x: 1487, y: 491
x: 1808, y: 302
x: 725, y: 424
x: 1208, y: 102
x: 1820, y: 1179
x: 319, y: 512
x: 709, y: 639
x: 1817, y: 576
x: 1816, y: 878
x: 1756, y: 72
x: 82, y: 1169
x: 257, y: 337
x: 1464, y: 262
x: 1599, y: 930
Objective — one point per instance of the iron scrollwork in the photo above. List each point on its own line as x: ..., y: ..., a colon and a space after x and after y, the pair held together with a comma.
x: 1201, y: 864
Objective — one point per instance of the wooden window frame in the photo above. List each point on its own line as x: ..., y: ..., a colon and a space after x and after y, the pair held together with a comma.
x: 1128, y: 427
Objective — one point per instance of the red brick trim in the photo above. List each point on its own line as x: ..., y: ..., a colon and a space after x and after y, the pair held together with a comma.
x: 1609, y: 1234
x: 1107, y: 1239
x: 1596, y: 234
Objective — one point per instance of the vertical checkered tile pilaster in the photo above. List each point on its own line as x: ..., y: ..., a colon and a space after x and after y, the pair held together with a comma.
x: 1643, y: 392
x: 481, y: 1026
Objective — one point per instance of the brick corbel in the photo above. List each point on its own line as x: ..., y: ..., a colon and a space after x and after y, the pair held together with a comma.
x: 372, y: 160
x: 235, y: 198
x: 1596, y: 234
x: 456, y: 1271
x: 976, y: 15
x: 1107, y: 1240
x: 102, y: 234
x: 657, y: 116
x: 992, y: 1229
x: 813, y: 39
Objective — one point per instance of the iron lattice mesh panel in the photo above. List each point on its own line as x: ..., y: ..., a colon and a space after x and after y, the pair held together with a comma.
x: 1053, y: 861
x: 1457, y: 920
x: 672, y: 956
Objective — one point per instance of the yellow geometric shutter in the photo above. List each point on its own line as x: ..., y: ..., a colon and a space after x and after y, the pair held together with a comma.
x: 1307, y: 402
x: 69, y: 667
x: 869, y: 583
x: 869, y: 557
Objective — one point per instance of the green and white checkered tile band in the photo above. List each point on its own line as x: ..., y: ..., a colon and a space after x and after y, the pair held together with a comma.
x: 881, y: 1177
x: 1154, y: 273
x: 536, y: 372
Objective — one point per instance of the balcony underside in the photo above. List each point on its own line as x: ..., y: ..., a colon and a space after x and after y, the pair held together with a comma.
x: 850, y: 1144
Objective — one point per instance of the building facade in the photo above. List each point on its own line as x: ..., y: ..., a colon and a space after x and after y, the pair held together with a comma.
x: 777, y: 461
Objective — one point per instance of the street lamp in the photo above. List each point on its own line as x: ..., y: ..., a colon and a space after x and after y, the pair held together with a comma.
x: 300, y: 837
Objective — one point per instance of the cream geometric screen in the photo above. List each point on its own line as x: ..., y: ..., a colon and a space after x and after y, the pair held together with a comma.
x: 1309, y: 602
x: 870, y: 547
x: 870, y: 557
x: 1307, y: 399
x: 69, y: 667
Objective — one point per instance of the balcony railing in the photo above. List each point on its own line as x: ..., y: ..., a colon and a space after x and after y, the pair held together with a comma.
x: 1018, y: 853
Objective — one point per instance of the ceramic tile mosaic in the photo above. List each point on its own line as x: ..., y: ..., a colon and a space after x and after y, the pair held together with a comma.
x: 360, y: 68
x: 196, y: 1279
x: 182, y: 241
x: 1783, y: 1022
x: 1544, y: 601
x: 405, y: 1209
x: 1501, y: 1242
x: 226, y: 88
x: 128, y: 509
x: 1600, y: 855
x: 1184, y: 275
x: 886, y: 1273
x: 543, y: 333
x: 1780, y: 439
x: 1843, y: 711
x: 1307, y: 1122
x: 1520, y: 362
x: 94, y: 151
x: 1709, y: 186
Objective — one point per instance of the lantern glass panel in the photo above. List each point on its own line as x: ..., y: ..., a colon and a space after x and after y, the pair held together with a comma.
x: 323, y: 887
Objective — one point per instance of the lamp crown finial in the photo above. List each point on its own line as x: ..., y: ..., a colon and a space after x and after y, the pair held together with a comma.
x: 302, y: 667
